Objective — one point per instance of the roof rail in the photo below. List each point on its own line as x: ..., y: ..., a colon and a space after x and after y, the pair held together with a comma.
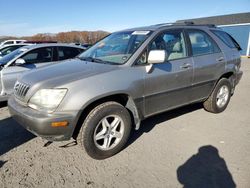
x: 188, y: 23
x: 192, y: 23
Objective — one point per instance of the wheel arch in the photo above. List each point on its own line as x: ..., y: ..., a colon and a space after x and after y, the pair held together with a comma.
x: 228, y: 75
x: 121, y: 98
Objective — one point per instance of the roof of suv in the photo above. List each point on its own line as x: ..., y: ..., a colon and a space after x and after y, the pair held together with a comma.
x: 164, y: 25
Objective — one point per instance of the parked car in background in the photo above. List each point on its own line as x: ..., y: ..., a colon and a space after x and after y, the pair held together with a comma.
x: 126, y: 77
x: 39, y: 41
x: 5, y: 50
x: 86, y: 45
x: 8, y: 42
x: 31, y: 57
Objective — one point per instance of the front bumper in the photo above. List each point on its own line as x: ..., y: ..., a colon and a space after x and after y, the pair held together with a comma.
x: 40, y: 124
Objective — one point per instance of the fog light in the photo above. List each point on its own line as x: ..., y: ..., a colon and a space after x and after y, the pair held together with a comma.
x: 59, y: 124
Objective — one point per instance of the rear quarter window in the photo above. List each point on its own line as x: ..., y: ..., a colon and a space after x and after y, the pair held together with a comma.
x: 226, y: 38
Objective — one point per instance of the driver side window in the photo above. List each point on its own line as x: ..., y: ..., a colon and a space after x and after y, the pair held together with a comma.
x: 40, y: 55
x: 172, y: 41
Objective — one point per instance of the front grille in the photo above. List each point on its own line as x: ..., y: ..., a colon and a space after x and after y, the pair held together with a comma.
x: 20, y: 90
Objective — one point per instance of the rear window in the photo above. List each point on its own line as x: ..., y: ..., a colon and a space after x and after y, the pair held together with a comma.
x: 226, y: 38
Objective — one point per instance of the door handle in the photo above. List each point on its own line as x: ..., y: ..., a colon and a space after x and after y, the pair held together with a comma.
x: 220, y: 59
x: 186, y: 66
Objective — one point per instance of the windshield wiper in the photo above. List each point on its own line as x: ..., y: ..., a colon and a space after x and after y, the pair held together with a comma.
x: 91, y: 59
x: 96, y: 60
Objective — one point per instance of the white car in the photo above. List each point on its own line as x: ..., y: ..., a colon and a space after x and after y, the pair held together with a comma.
x: 8, y: 42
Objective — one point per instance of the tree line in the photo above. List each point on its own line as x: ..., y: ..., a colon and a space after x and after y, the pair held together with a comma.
x: 89, y: 37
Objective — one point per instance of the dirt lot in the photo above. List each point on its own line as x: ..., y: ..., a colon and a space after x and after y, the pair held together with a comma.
x: 188, y: 146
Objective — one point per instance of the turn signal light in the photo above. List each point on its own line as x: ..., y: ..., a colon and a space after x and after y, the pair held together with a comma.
x: 59, y: 124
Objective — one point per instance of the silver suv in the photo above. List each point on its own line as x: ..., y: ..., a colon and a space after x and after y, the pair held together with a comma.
x: 126, y: 77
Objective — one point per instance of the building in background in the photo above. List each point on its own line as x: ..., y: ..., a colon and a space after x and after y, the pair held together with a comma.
x: 238, y: 25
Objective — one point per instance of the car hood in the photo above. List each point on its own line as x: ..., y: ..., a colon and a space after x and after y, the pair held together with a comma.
x: 65, y: 72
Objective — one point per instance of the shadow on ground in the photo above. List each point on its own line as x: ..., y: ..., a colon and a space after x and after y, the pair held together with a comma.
x: 148, y: 124
x: 2, y: 163
x: 3, y: 104
x: 205, y: 169
x: 11, y: 135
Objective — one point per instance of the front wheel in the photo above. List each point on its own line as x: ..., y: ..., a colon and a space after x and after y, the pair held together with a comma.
x: 218, y: 100
x: 105, y: 130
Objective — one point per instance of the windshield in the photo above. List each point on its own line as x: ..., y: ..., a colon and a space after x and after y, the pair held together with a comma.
x: 4, y: 60
x: 8, y: 49
x: 116, y: 48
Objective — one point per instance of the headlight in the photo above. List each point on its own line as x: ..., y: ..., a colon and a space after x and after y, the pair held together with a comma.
x: 47, y: 99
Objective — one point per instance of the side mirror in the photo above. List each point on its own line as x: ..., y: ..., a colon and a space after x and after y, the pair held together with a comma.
x: 20, y: 61
x: 156, y: 56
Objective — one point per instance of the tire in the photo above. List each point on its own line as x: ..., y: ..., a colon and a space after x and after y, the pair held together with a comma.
x: 215, y: 103
x: 96, y: 136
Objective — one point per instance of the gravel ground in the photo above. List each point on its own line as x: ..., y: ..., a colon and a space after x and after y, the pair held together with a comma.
x: 188, y: 146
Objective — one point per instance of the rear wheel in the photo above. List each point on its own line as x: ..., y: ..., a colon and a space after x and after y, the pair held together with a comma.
x: 105, y: 130
x: 220, y: 97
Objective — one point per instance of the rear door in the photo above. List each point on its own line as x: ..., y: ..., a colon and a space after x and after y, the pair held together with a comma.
x: 231, y: 49
x: 209, y: 63
x: 33, y: 58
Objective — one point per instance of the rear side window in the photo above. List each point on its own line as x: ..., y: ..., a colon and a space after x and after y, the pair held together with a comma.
x: 67, y: 52
x: 226, y: 38
x: 202, y: 43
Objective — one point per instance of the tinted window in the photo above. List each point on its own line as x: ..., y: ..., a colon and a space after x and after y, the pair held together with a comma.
x: 4, y: 60
x: 39, y: 55
x: 9, y: 42
x: 226, y: 38
x: 172, y: 42
x: 8, y: 50
x: 202, y: 43
x: 67, y: 52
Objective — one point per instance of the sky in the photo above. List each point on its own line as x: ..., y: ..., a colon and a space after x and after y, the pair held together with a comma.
x: 29, y: 17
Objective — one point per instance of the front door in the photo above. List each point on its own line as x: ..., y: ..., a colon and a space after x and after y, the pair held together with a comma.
x: 168, y: 84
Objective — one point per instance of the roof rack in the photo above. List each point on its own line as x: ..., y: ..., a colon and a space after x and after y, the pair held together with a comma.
x: 188, y: 23
x: 192, y: 23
